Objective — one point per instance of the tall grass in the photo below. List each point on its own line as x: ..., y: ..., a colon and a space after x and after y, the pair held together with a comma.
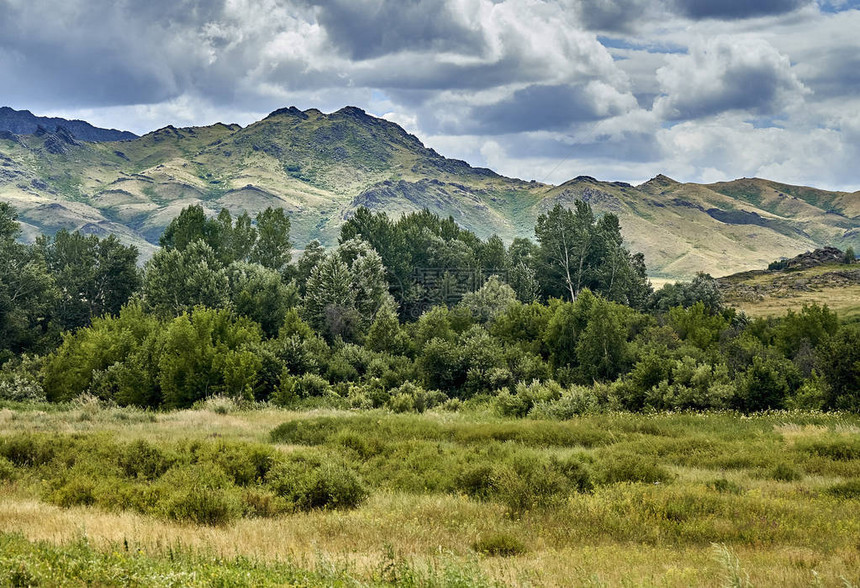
x: 607, y: 498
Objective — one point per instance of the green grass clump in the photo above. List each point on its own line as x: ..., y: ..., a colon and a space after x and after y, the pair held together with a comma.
x: 629, y: 467
x: 7, y: 470
x: 499, y: 544
x: 723, y: 485
x: 840, y: 449
x: 784, y: 472
x: 204, y: 483
x: 846, y: 490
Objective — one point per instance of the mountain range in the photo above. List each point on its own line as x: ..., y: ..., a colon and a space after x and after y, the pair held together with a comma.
x: 24, y: 122
x: 321, y: 167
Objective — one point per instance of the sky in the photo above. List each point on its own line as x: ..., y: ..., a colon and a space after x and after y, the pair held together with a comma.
x: 699, y: 90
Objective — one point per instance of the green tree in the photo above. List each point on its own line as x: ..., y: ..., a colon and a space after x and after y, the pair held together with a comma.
x: 260, y: 294
x: 767, y: 383
x: 272, y: 249
x: 175, y: 281
x: 562, y: 334
x: 696, y: 326
x: 493, y: 256
x: 702, y: 288
x: 313, y: 254
x: 243, y: 237
x: 27, y: 291
x: 191, y: 225
x: 329, y: 302
x: 839, y: 362
x: 386, y: 334
x: 93, y: 276
x: 578, y: 250
x: 566, y: 238
x: 490, y: 300
x: 207, y: 352
x: 346, y: 290
x: 120, y: 352
x: 601, y: 349
x: 812, y: 325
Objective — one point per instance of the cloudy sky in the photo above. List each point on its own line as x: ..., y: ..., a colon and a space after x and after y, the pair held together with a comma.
x: 701, y: 90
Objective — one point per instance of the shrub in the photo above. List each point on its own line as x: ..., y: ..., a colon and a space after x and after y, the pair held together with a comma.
x: 218, y: 404
x: 72, y: 489
x: 27, y: 450
x: 7, y: 470
x: 499, y: 544
x: 308, y: 484
x: 476, y: 481
x: 202, y: 506
x: 294, y: 388
x: 784, y: 472
x: 575, y: 401
x: 243, y: 463
x: 364, y: 445
x: 258, y: 502
x: 576, y: 473
x: 141, y: 459
x: 725, y: 486
x: 305, y: 432
x: 527, y: 480
x: 846, y: 490
x: 836, y: 449
x: 767, y: 384
x: 201, y: 494
x: 20, y: 381
x: 525, y: 397
x: 400, y: 403
x: 628, y: 467
x: 410, y: 397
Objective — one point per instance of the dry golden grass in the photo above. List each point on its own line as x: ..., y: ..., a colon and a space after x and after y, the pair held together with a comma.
x: 423, y: 529
x: 844, y: 301
x: 130, y: 424
x: 590, y: 540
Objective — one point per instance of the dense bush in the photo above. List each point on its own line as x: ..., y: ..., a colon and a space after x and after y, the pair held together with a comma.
x: 205, y: 483
x: 220, y: 312
x: 308, y: 482
x: 630, y: 467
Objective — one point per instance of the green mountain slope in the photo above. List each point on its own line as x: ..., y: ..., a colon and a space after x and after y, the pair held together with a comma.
x: 321, y: 167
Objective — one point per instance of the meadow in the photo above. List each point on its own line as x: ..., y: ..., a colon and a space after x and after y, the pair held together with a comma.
x: 225, y: 494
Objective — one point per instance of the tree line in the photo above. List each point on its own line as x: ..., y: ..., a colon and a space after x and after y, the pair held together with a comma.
x: 404, y: 313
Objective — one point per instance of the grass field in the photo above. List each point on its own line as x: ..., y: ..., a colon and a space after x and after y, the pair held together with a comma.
x: 844, y: 301
x: 98, y: 495
x: 773, y: 294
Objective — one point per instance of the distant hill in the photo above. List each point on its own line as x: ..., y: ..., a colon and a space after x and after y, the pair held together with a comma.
x: 821, y: 277
x: 321, y: 167
x: 24, y: 122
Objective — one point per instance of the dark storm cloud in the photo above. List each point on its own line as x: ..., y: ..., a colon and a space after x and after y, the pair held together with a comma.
x: 626, y: 16
x: 750, y: 88
x: 723, y: 74
x: 836, y: 72
x: 736, y: 9
x: 615, y: 15
x: 627, y: 146
x: 100, y: 52
x: 538, y: 107
x: 365, y: 29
